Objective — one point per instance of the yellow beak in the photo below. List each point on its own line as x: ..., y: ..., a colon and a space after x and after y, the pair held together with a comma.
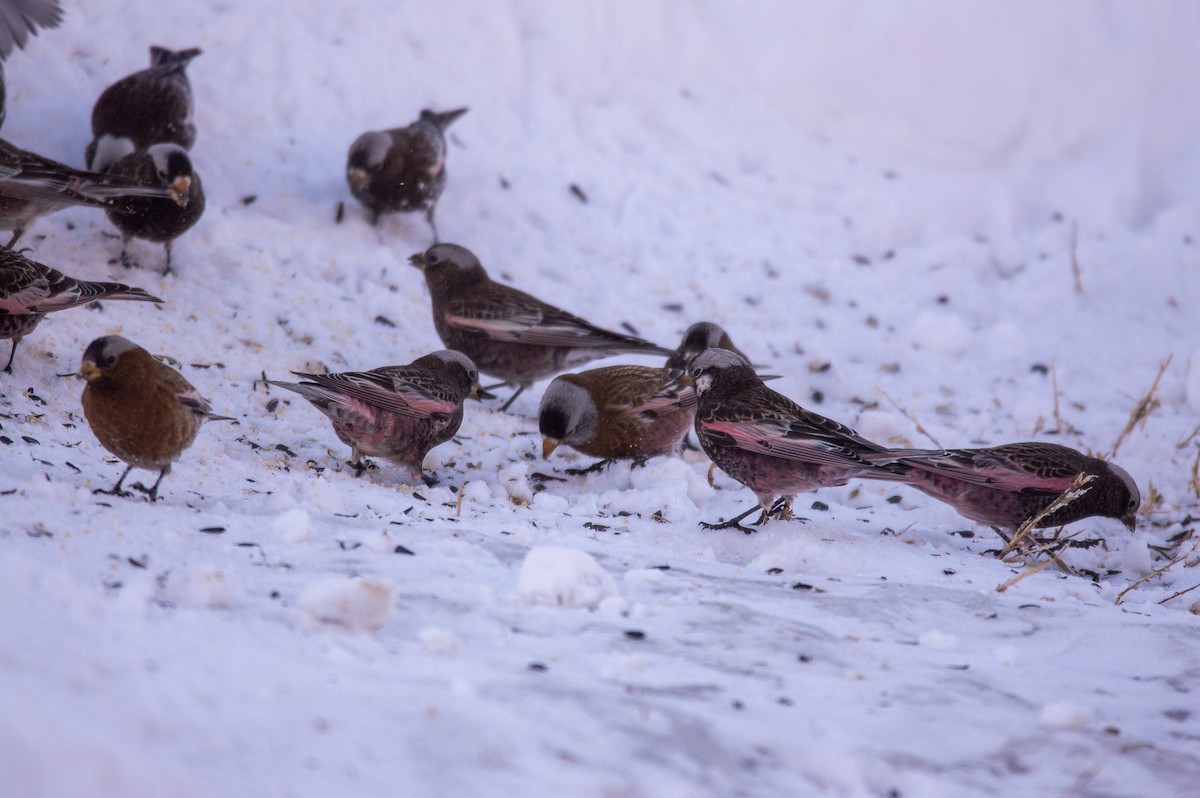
x: 89, y: 371
x: 179, y: 190
x: 357, y: 178
x: 548, y: 446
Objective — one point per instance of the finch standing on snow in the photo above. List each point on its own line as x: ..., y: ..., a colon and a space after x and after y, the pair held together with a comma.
x: 161, y: 219
x: 769, y: 443
x: 403, y: 169
x: 141, y: 410
x: 395, y: 412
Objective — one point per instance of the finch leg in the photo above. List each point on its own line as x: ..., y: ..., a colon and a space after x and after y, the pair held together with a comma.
x: 153, y: 491
x: 511, y: 399
x: 11, y: 353
x: 116, y: 489
x: 432, y: 223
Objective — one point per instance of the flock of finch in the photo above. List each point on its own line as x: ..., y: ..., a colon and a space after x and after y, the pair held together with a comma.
x: 145, y: 413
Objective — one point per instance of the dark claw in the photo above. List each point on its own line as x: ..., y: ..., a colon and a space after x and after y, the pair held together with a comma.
x: 735, y: 523
x: 594, y: 468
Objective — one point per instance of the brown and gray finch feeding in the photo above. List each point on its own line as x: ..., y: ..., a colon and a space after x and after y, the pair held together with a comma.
x: 616, y: 412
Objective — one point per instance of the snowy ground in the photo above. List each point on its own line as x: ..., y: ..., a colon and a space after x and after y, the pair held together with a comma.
x: 881, y: 202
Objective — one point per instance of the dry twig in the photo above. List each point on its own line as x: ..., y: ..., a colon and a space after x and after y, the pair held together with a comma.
x: 1152, y: 574
x: 1077, y: 489
x: 1195, y: 483
x: 1191, y: 437
x: 1075, y: 270
x: 1043, y: 565
x: 910, y: 417
x: 1179, y: 593
x: 1052, y: 547
x: 1144, y: 408
x: 1058, y: 419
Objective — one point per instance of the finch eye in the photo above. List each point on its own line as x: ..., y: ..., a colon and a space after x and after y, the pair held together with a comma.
x: 433, y: 260
x: 111, y: 359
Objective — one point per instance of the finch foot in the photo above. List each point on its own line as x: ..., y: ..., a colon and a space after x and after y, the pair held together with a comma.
x: 594, y: 468
x: 734, y: 523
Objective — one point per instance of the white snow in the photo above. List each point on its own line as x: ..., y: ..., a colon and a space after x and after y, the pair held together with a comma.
x: 358, y: 602
x: 564, y: 577
x: 883, y: 204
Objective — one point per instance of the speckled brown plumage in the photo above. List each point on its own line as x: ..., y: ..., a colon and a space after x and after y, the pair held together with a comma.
x: 616, y: 412
x: 403, y: 169
x: 142, y: 411
x: 1004, y: 486
x: 29, y: 290
x: 151, y: 106
x: 395, y: 412
x: 506, y: 332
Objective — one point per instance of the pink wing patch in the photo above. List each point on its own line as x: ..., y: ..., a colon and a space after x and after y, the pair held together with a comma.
x: 766, y: 438
x: 527, y: 329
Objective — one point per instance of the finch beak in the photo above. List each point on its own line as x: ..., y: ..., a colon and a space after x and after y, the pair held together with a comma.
x: 443, y: 120
x: 357, y: 178
x: 478, y: 394
x: 418, y: 260
x: 548, y: 446
x: 179, y: 190
x: 679, y: 383
x: 1130, y: 520
x: 89, y: 371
